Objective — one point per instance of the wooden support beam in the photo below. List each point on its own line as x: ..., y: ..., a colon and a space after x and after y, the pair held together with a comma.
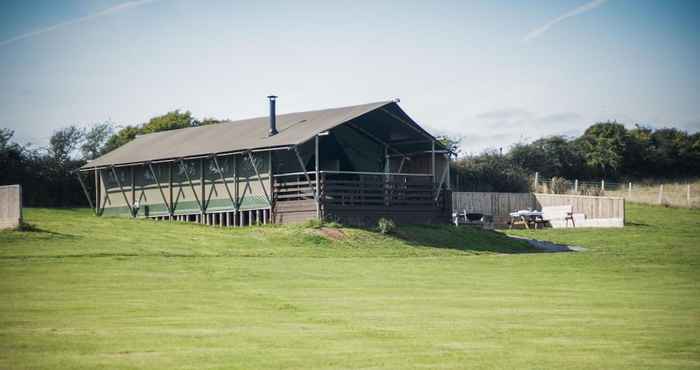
x: 257, y: 174
x: 160, y: 188
x: 189, y: 180
x: 170, y: 188
x: 98, y: 187
x: 223, y: 179
x: 133, y: 185
x: 409, y: 124
x: 375, y: 138
x: 306, y: 173
x: 87, y: 195
x: 121, y: 188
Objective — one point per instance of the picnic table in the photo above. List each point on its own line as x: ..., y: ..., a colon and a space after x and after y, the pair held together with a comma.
x: 526, y: 217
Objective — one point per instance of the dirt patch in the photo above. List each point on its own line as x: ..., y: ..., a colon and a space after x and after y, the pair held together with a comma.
x: 332, y: 233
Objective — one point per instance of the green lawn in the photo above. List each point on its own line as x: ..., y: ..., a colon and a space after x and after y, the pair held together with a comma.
x: 86, y: 292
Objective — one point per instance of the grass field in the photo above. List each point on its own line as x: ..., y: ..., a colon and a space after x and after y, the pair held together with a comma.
x: 80, y: 292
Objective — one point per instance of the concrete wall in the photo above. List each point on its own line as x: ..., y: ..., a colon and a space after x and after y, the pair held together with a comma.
x: 10, y: 206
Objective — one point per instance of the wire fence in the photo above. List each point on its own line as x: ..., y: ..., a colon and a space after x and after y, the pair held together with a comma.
x: 672, y: 194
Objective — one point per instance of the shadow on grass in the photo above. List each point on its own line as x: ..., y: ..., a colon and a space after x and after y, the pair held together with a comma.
x: 636, y: 224
x: 26, y: 227
x: 463, y: 238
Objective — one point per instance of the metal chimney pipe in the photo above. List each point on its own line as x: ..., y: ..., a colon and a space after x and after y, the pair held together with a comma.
x: 273, y: 116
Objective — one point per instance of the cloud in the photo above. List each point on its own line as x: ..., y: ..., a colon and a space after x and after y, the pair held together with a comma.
x: 111, y: 10
x: 505, y: 114
x: 501, y: 128
x: 572, y: 13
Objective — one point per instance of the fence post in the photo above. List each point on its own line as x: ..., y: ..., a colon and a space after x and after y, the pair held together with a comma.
x: 688, y: 195
x: 537, y: 180
x: 602, y: 185
x: 661, y: 193
x: 576, y: 186
x: 629, y: 190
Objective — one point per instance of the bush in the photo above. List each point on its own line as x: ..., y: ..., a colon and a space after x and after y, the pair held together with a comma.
x: 386, y: 226
x: 313, y: 224
x: 590, y: 190
x: 559, y: 185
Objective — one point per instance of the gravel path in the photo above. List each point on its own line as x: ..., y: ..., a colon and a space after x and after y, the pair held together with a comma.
x: 549, y: 246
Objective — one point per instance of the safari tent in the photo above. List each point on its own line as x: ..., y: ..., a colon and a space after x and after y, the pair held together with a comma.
x: 351, y: 164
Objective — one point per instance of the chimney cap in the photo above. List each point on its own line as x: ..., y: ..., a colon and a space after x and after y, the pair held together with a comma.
x: 272, y: 97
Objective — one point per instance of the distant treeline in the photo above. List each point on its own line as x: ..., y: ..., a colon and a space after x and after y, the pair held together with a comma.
x: 48, y: 175
x: 606, y: 150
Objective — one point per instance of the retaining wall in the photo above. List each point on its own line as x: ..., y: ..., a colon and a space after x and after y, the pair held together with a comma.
x: 10, y: 206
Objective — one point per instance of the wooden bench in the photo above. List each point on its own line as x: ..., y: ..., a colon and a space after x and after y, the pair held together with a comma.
x: 552, y: 213
x: 471, y: 218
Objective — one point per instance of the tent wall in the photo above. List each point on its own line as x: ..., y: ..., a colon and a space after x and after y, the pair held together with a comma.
x: 206, y: 181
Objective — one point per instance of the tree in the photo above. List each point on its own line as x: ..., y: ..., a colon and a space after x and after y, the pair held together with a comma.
x: 603, y: 146
x: 550, y: 156
x: 5, y: 137
x: 169, y: 121
x: 208, y: 121
x: 451, y: 143
x: 94, y: 140
x: 122, y: 137
x: 489, y: 171
x: 63, y: 143
x: 12, y: 166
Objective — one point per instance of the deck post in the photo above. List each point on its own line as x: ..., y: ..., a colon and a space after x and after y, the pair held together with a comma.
x: 432, y: 160
x: 316, y: 190
x: 272, y: 187
x: 447, y: 168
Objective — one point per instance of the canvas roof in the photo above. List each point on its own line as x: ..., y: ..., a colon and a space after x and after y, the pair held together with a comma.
x: 232, y: 136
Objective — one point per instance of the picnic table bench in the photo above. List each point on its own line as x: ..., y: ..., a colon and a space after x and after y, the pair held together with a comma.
x: 536, y: 219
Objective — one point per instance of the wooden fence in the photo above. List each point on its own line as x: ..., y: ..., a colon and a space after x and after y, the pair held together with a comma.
x: 500, y: 205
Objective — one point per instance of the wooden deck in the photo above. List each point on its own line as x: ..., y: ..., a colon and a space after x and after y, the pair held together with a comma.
x: 358, y: 199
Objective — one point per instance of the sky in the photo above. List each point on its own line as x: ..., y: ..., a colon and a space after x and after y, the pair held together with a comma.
x: 493, y: 73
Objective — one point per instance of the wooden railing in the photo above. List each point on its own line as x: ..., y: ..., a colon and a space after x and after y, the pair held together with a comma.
x: 292, y: 188
x: 359, y: 189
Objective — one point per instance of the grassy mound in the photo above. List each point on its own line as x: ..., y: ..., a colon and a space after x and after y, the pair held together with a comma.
x: 75, y: 232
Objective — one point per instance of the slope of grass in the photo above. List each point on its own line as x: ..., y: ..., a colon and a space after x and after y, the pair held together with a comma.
x: 99, y: 293
x: 76, y: 233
